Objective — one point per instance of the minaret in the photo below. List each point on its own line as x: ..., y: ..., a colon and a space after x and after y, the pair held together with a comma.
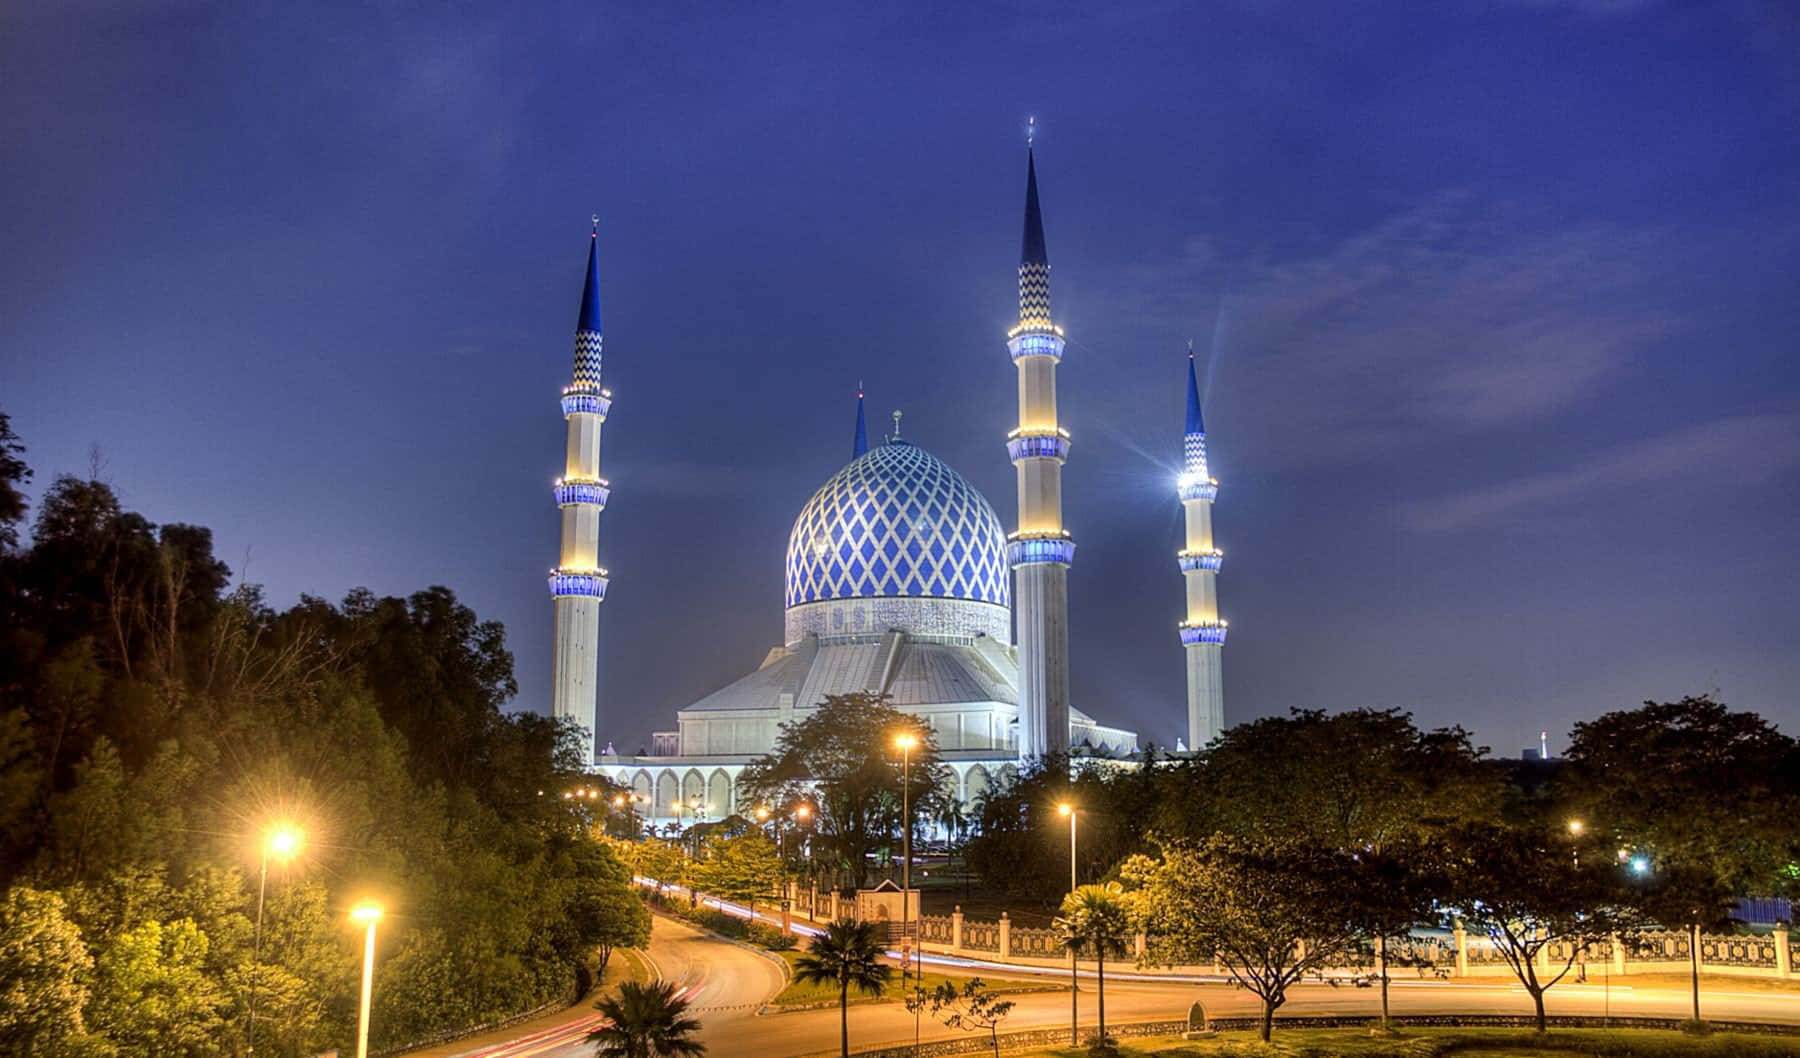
x: 1203, y: 633
x: 1040, y: 550
x: 578, y: 584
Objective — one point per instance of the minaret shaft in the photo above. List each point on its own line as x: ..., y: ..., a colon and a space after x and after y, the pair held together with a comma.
x: 578, y: 583
x: 1203, y: 630
x: 1040, y: 550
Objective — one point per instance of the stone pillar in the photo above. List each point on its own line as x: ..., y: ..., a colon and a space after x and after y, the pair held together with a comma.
x: 1618, y: 955
x: 1784, y: 958
x: 1005, y: 935
x: 956, y: 929
x: 1462, y: 950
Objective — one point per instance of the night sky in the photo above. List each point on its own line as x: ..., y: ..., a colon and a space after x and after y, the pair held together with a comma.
x: 1496, y: 306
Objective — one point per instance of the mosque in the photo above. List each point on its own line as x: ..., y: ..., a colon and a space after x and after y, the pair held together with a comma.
x: 900, y: 580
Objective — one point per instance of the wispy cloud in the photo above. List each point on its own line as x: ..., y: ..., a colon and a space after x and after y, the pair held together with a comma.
x: 1452, y: 316
x: 1749, y: 448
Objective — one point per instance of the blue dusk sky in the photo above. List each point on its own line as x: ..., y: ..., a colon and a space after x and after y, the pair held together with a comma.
x: 1497, y: 307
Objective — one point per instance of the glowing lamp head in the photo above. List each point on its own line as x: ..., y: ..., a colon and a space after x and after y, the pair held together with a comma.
x: 1640, y: 865
x: 1065, y: 809
x: 366, y: 912
x: 803, y: 811
x: 1576, y: 826
x: 283, y: 840
x: 907, y: 741
x: 762, y: 813
x: 619, y: 801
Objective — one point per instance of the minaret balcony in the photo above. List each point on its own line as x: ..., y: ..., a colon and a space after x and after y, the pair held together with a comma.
x: 590, y: 583
x: 1038, y: 443
x: 586, y: 492
x: 1197, y: 487
x: 586, y: 398
x: 1202, y: 633
x: 1039, y: 548
x: 1201, y: 561
x: 1035, y: 339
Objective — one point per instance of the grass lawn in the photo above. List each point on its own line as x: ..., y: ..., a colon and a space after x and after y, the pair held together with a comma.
x: 1473, y: 1043
x: 796, y: 993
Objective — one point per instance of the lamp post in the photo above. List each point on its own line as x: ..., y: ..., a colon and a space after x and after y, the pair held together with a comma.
x: 283, y: 840
x: 368, y: 913
x: 906, y: 743
x: 1071, y: 811
x: 803, y: 812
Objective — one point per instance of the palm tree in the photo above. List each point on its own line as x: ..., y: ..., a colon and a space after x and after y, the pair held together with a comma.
x: 1097, y: 918
x: 847, y: 954
x: 646, y: 1021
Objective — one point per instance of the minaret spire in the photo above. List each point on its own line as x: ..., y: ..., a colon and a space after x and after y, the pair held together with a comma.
x: 1041, y: 550
x: 1203, y: 632
x: 578, y: 583
x: 862, y: 427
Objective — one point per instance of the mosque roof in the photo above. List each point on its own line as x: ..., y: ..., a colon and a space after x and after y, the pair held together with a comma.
x: 922, y: 674
x: 896, y: 522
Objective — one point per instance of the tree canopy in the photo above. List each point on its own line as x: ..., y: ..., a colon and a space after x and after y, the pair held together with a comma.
x: 843, y: 754
x: 160, y: 720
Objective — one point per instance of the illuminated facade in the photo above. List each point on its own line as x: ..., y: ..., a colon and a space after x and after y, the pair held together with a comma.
x: 1203, y: 632
x: 902, y: 581
x: 1041, y: 549
x: 897, y: 584
x: 578, y: 583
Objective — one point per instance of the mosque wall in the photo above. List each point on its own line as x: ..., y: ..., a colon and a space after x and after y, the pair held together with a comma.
x: 927, y: 616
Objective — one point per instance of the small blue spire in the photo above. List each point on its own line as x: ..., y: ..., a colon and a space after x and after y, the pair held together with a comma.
x: 590, y: 291
x: 862, y: 429
x: 1033, y: 251
x: 1194, y: 423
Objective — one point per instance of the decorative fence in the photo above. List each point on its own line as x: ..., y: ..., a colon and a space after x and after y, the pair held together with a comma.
x: 1036, y: 943
x: 937, y: 929
x: 981, y: 936
x: 1457, y: 953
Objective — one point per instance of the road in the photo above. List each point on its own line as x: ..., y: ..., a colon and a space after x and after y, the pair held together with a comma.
x: 728, y: 984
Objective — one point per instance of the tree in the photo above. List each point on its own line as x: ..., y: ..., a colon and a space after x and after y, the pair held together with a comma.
x: 603, y: 906
x: 1353, y: 780
x: 152, y: 996
x: 1021, y: 842
x: 972, y: 1009
x: 1523, y: 889
x: 848, y: 955
x: 13, y: 473
x: 845, y: 752
x: 1704, y: 795
x: 739, y: 868
x: 646, y: 1021
x: 45, y: 971
x: 1270, y: 910
x: 1099, y: 919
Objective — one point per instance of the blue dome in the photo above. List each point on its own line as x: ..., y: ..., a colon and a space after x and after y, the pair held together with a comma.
x: 897, y: 523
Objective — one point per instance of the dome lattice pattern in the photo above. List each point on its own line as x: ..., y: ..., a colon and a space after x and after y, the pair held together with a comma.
x: 897, y: 522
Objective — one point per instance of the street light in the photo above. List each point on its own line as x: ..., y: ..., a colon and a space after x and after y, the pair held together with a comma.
x: 803, y: 812
x: 906, y: 742
x: 368, y: 912
x: 1067, y: 809
x: 283, y: 841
